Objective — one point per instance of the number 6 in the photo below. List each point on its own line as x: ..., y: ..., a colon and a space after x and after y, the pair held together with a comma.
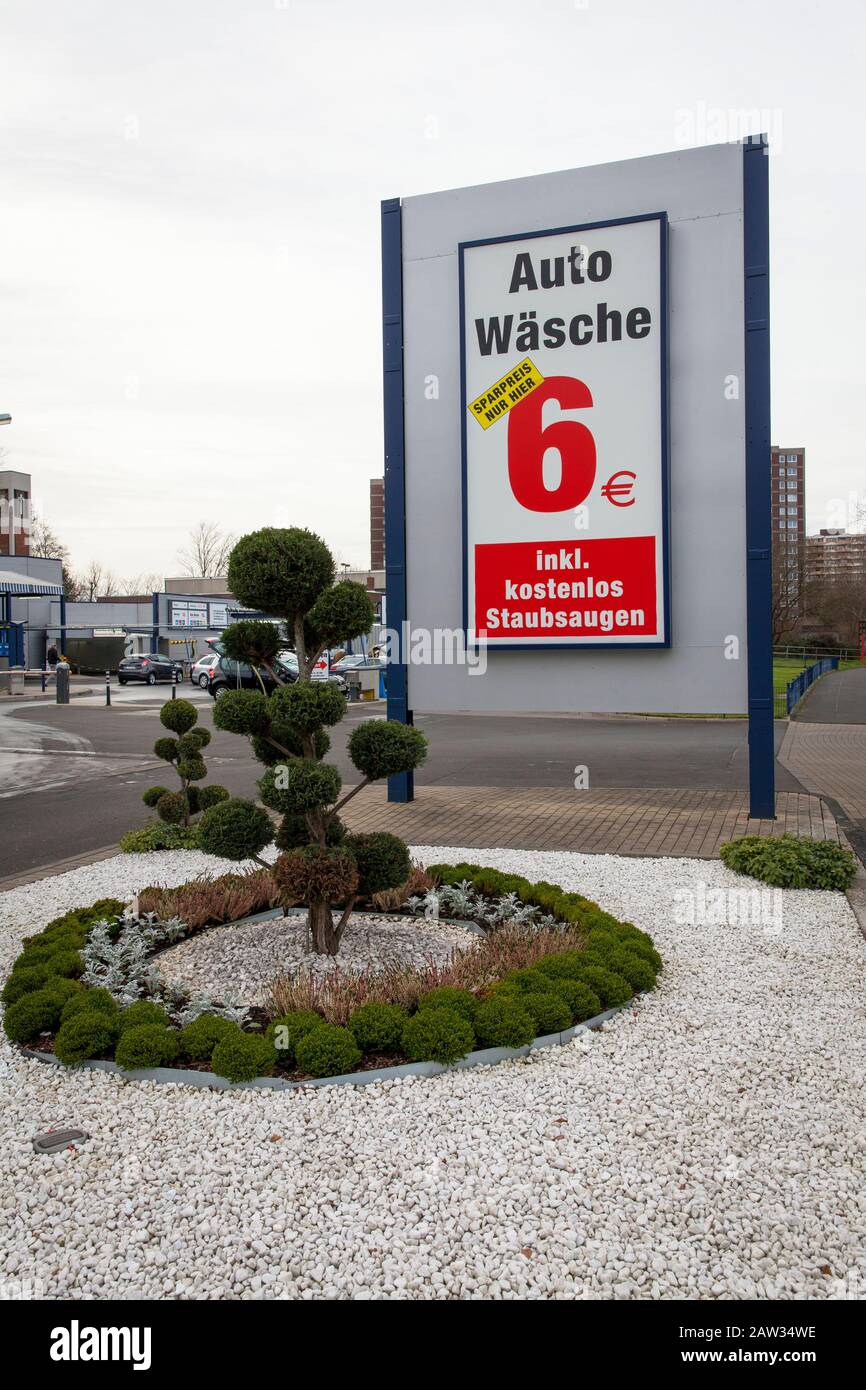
x: 527, y: 442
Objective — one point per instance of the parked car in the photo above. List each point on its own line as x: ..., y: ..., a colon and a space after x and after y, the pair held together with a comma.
x: 357, y: 662
x: 320, y: 671
x: 149, y: 668
x: 200, y: 670
x: 227, y: 674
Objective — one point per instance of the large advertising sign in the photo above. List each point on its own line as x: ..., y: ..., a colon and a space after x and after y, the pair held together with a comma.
x: 564, y: 435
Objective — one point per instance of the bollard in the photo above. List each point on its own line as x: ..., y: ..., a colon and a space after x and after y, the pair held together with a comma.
x: 108, y: 687
x: 42, y: 680
x: 62, y: 678
x: 174, y: 690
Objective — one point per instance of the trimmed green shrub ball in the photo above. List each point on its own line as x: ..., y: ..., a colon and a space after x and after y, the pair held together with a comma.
x: 141, y: 1012
x: 240, y: 1056
x: 550, y: 1013
x: 210, y: 795
x: 437, y: 1035
x: 147, y: 1045
x: 167, y: 749
x: 378, y: 1027
x: 504, y: 1022
x: 87, y: 1034
x: 566, y: 966
x: 178, y: 715
x: 242, y: 712
x: 308, y: 786
x: 528, y: 981
x: 152, y: 795
x: 286, y: 1032
x: 306, y: 705
x: 25, y: 980
x: 382, y: 859
x: 235, y: 829
x: 341, y: 612
x: 612, y: 989
x: 90, y: 1001
x: 582, y: 1001
x: 635, y: 969
x: 460, y: 1001
x: 192, y: 743
x: 34, y: 1013
x: 66, y: 963
x: 192, y: 769
x: 173, y: 808
x: 280, y: 570
x: 294, y: 833
x: 383, y: 747
x: 327, y: 1051
x: 199, y: 1038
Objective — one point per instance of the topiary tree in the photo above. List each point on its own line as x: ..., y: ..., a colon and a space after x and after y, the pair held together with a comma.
x: 185, y: 755
x: 290, y: 574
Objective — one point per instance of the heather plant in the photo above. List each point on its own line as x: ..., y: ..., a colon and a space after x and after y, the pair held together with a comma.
x: 289, y: 574
x: 209, y: 901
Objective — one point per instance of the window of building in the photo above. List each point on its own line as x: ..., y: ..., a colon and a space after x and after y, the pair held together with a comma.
x: 792, y: 525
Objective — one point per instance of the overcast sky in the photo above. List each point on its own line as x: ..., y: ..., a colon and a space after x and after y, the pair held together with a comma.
x: 189, y: 226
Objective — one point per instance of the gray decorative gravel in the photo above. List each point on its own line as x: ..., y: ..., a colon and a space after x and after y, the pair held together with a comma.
x: 243, y: 960
x: 707, y: 1143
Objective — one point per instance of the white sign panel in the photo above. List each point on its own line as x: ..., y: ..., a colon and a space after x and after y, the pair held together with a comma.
x: 564, y: 430
x: 187, y: 613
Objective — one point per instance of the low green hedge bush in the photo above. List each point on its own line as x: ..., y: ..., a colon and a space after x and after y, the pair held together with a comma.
x: 240, y: 1056
x: 378, y: 1027
x: 504, y: 1022
x: 327, y: 1051
x: 437, y: 1035
x: 199, y: 1038
x: 786, y: 861
x: 460, y: 1001
x: 286, y: 1031
x: 87, y: 1034
x: 145, y: 1045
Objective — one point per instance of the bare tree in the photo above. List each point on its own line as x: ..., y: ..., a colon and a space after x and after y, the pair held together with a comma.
x: 138, y: 584
x: 206, y: 554
x: 96, y: 581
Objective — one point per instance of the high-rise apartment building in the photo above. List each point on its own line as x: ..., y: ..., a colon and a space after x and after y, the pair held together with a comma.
x: 836, y: 555
x: 788, y: 499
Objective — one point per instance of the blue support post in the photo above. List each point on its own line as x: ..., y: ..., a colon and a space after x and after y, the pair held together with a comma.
x: 759, y: 578
x: 402, y: 786
x: 62, y: 624
x: 155, y: 633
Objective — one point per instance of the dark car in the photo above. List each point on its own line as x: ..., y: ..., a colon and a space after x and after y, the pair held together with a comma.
x: 150, y: 668
x: 237, y: 675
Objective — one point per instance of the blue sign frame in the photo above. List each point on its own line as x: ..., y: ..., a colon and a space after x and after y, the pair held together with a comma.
x: 462, y: 247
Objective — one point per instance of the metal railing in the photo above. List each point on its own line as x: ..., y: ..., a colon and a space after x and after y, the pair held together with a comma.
x: 797, y: 688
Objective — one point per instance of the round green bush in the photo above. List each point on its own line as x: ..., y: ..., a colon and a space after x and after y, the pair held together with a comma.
x: 342, y: 612
x: 240, y: 1056
x: 581, y: 1001
x: 437, y: 1035
x: 327, y: 1051
x: 460, y: 1001
x: 173, y: 808
x: 141, y: 1012
x: 87, y: 1034
x: 34, y: 1013
x: 550, y: 1013
x: 286, y: 1031
x: 192, y: 769
x: 152, y: 795
x: 298, y: 786
x: 383, y: 747
x: 178, y: 715
x: 294, y: 833
x: 252, y: 640
x: 504, y: 1022
x: 192, y: 743
x: 306, y: 705
x: 167, y: 749
x: 63, y: 987
x: 146, y: 1045
x: 211, y: 795
x: 639, y: 945
x: 67, y: 963
x: 235, y: 829
x: 635, y: 969
x: 242, y: 712
x: 567, y: 965
x: 528, y: 981
x: 199, y: 1038
x: 611, y: 988
x: 90, y: 1001
x: 378, y: 1027
x: 25, y: 980
x: 280, y: 570
x: 382, y: 859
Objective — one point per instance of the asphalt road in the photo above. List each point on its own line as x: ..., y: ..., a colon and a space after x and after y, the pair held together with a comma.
x: 837, y: 698
x: 72, y: 776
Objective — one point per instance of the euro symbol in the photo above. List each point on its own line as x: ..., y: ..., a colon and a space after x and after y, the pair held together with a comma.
x: 613, y: 490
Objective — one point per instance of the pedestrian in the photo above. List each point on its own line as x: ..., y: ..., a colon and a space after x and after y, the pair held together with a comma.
x: 52, y: 656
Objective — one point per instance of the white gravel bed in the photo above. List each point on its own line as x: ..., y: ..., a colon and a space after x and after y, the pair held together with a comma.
x: 244, y: 960
x: 707, y: 1143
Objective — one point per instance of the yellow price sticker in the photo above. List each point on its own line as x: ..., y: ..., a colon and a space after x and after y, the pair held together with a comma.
x: 509, y: 391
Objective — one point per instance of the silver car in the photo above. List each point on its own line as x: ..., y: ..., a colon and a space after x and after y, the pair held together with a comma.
x: 201, y: 669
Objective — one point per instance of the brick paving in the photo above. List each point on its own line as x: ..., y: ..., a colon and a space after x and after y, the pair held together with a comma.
x: 622, y: 820
x: 829, y: 759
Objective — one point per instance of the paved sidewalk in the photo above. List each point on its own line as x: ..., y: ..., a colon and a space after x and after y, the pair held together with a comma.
x: 839, y: 697
x: 830, y: 759
x: 626, y: 820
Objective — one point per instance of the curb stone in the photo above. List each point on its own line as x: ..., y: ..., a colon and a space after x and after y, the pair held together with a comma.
x: 209, y: 1080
